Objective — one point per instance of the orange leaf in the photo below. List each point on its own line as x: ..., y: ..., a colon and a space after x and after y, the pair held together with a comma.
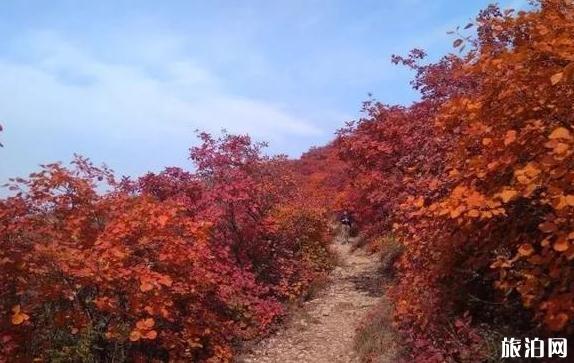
x: 525, y: 249
x: 507, y: 195
x: 145, y: 324
x: 149, y: 323
x: 162, y: 220
x: 152, y: 334
x: 486, y: 214
x: 454, y: 213
x: 510, y: 137
x: 146, y: 286
x: 419, y: 202
x: 135, y: 335
x: 556, y: 78
x: 561, y: 245
x: 473, y: 213
x: 560, y: 133
x: 530, y: 170
x: 165, y: 280
x: 19, y: 317
x: 560, y: 148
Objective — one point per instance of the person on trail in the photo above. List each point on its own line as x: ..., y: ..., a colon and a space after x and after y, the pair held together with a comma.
x: 346, y: 218
x: 346, y: 221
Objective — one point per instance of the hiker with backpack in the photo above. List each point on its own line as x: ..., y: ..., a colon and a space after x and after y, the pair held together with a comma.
x: 347, y: 221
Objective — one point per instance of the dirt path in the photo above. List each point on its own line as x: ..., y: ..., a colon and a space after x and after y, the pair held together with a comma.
x: 323, y: 329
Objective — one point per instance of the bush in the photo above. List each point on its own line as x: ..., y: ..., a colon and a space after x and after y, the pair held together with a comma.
x: 391, y: 249
x: 376, y: 340
x: 478, y: 175
x: 173, y: 266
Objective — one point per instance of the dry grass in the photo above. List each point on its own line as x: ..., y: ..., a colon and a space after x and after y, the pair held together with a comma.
x: 390, y: 249
x: 336, y: 258
x: 316, y: 287
x: 358, y: 242
x: 376, y: 340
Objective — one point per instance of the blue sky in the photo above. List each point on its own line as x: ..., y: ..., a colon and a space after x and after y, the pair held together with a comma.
x: 128, y: 82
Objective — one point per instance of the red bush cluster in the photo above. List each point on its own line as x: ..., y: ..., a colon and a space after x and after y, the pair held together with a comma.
x: 174, y: 265
x: 476, y: 181
x: 323, y: 176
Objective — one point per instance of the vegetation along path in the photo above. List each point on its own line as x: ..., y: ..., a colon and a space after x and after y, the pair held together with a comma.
x: 324, y: 329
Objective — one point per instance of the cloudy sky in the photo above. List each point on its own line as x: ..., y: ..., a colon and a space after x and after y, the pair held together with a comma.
x: 128, y: 82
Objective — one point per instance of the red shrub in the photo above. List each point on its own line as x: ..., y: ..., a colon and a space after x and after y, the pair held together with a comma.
x: 174, y: 265
x: 475, y: 180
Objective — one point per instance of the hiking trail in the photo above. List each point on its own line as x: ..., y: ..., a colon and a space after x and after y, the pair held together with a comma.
x: 322, y: 330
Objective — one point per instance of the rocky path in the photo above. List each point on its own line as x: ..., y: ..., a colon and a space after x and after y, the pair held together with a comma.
x: 323, y: 329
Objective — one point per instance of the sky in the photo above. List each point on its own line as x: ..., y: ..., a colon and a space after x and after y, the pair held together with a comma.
x: 127, y: 83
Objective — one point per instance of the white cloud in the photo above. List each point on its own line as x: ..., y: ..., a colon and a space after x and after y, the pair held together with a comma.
x: 63, y: 100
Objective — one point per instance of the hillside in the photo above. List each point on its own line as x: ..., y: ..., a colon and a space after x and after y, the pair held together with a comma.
x: 464, y: 233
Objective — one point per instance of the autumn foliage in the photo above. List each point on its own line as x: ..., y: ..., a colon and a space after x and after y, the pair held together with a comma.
x: 176, y: 265
x: 323, y: 176
x: 476, y: 181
